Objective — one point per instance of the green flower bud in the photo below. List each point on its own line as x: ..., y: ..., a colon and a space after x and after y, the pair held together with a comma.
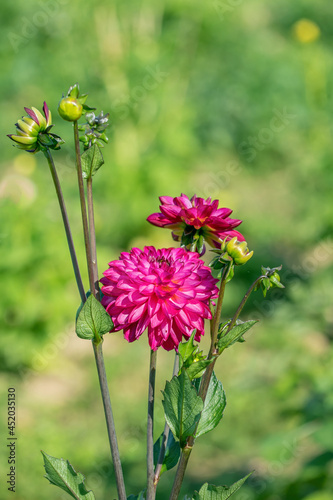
x: 235, y: 251
x: 70, y: 109
x: 33, y: 131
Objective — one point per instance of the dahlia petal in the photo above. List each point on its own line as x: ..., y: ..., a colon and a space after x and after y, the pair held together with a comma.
x: 196, y: 307
x: 157, y: 319
x: 137, y: 312
x: 131, y: 333
x: 32, y: 115
x: 183, y: 201
x: 158, y: 220
x: 166, y: 200
x: 171, y: 212
x: 153, y: 305
x: 40, y: 118
x: 47, y: 114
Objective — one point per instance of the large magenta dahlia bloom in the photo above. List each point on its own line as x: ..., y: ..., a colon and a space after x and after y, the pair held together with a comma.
x: 166, y: 291
x: 196, y: 217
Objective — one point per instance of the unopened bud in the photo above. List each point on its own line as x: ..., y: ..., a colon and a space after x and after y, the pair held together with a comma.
x: 70, y: 109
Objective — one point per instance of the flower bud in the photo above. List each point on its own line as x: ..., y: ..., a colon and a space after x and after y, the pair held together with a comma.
x: 33, y: 131
x: 70, y: 109
x: 235, y: 251
x: 72, y: 105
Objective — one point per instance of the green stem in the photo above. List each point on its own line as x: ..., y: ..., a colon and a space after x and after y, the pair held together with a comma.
x: 186, y: 452
x: 150, y: 427
x: 184, y: 458
x: 243, y: 302
x: 92, y: 233
x: 90, y: 243
x: 109, y: 420
x: 84, y: 210
x: 165, y: 434
x: 61, y: 200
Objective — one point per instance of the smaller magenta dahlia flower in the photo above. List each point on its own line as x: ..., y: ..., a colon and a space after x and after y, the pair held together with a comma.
x: 33, y: 131
x: 166, y: 291
x: 194, y: 220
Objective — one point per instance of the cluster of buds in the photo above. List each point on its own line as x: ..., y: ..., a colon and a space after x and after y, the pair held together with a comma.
x: 72, y: 104
x: 232, y: 253
x: 33, y: 131
x: 269, y: 279
x: 94, y: 130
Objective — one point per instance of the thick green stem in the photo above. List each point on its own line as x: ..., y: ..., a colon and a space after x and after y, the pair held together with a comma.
x: 66, y: 224
x: 186, y: 452
x: 109, y: 420
x: 184, y: 458
x: 84, y: 210
x: 165, y: 433
x: 150, y: 427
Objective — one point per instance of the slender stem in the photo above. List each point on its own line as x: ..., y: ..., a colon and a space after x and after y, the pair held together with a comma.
x: 92, y: 233
x: 109, y: 420
x: 83, y: 209
x: 165, y: 433
x: 186, y: 452
x: 90, y: 242
x: 61, y: 200
x: 242, y: 304
x: 150, y: 427
x: 217, y: 316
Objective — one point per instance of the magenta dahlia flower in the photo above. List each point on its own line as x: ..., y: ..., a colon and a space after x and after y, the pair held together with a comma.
x: 194, y: 220
x: 166, y: 291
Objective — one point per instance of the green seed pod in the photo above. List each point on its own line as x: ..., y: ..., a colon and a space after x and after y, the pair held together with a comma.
x: 70, y: 109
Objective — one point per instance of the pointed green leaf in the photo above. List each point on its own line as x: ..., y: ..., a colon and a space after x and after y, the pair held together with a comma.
x: 61, y: 473
x: 93, y: 320
x: 172, y: 452
x: 182, y: 407
x: 91, y: 160
x: 227, y: 339
x: 196, y: 369
x: 211, y: 492
x: 214, y: 406
x: 186, y: 349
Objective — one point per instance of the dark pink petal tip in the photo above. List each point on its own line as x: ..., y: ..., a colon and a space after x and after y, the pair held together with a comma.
x: 32, y: 115
x: 46, y: 111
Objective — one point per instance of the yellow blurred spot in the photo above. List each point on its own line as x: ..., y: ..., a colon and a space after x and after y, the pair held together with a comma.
x: 306, y: 31
x: 25, y: 164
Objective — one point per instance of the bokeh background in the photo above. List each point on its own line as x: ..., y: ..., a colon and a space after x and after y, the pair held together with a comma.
x: 225, y: 98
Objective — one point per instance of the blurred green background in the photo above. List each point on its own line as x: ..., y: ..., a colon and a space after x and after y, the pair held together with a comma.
x: 230, y: 99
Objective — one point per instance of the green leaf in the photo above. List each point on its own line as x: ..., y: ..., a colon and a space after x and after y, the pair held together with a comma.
x: 196, y: 369
x: 211, y: 492
x: 61, y: 473
x: 227, y: 339
x: 172, y: 452
x: 214, y: 406
x: 91, y: 160
x: 186, y: 349
x: 182, y: 407
x: 93, y: 320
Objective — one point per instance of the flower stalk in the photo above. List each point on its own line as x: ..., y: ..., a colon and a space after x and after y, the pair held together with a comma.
x: 150, y: 427
x: 62, y: 205
x: 186, y: 452
x: 109, y: 420
x: 90, y: 246
x: 84, y: 211
x: 165, y: 434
